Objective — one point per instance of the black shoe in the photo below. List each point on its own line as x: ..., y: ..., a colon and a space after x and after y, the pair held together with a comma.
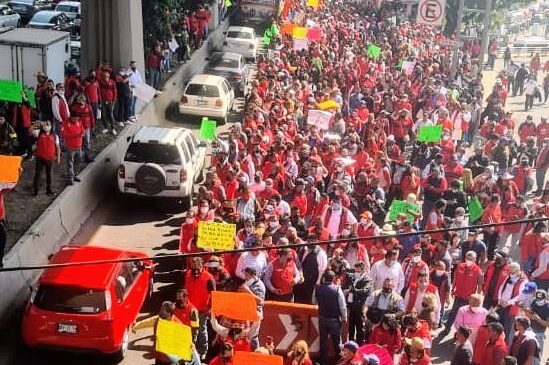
x: 77, y: 179
x: 70, y: 182
x: 91, y: 159
x: 50, y: 192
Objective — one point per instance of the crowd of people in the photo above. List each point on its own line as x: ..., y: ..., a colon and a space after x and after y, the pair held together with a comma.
x: 285, y: 181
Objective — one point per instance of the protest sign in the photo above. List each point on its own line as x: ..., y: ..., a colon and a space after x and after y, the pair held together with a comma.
x: 208, y: 128
x: 373, y: 51
x: 237, y: 306
x: 299, y: 33
x: 300, y: 44
x: 314, y: 34
x: 430, y: 133
x: 287, y: 28
x: 174, y: 339
x: 319, y: 118
x: 173, y: 45
x: 9, y: 168
x: 312, y: 3
x: 328, y: 104
x: 475, y: 209
x: 401, y: 206
x: 266, y: 40
x: 31, y: 97
x: 144, y: 92
x: 216, y: 236
x: 274, y: 30
x: 408, y: 67
x: 11, y: 91
x: 255, y: 358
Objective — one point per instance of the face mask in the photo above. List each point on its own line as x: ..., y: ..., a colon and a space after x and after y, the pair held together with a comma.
x: 459, y: 218
x: 204, y: 210
x: 416, y: 259
x: 540, y: 302
x: 469, y: 263
x: 336, y: 206
x: 364, y: 221
x: 391, y: 263
x: 46, y: 128
x: 249, y: 230
x: 273, y: 224
x: 439, y: 272
x: 189, y: 220
x: 345, y: 232
x: 513, y: 277
x: 339, y: 169
x: 134, y: 68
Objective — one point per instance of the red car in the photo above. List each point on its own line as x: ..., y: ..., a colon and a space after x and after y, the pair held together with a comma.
x: 88, y: 308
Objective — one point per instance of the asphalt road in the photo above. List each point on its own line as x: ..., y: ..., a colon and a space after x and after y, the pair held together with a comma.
x: 153, y: 227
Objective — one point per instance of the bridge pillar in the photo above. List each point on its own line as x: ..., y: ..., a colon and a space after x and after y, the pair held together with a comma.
x: 112, y: 30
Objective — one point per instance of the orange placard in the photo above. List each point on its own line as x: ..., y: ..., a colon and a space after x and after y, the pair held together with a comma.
x: 9, y: 168
x: 239, y: 306
x: 299, y: 33
x: 253, y: 358
x: 287, y: 29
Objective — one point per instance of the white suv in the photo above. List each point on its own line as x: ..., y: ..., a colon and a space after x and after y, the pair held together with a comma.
x: 162, y: 162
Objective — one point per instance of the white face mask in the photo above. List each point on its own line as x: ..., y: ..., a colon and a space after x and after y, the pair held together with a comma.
x: 469, y: 263
x: 336, y: 206
x: 439, y: 272
x: 345, y: 232
x: 47, y: 128
x: 273, y: 224
x: 364, y: 221
x: 416, y: 259
x: 204, y: 210
x: 189, y: 220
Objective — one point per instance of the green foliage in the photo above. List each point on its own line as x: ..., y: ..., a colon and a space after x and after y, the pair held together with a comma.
x: 158, y: 15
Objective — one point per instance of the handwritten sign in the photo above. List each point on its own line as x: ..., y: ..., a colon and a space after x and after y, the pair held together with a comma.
x: 430, y: 133
x: 299, y: 33
x: 300, y: 44
x: 11, y: 91
x: 328, y: 104
x: 216, y: 236
x: 408, y: 67
x: 223, y: 304
x: 320, y: 118
x: 174, y: 339
x: 254, y: 358
x: 401, y: 206
x: 9, y: 168
x: 208, y: 128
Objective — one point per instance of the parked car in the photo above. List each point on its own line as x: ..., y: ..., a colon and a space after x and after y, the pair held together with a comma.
x: 241, y: 40
x: 88, y: 308
x: 27, y: 8
x: 162, y: 162
x: 207, y: 96
x: 72, y: 9
x: 8, y: 17
x: 231, y: 66
x: 51, y: 19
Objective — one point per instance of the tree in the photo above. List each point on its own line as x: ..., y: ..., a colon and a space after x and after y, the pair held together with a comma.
x: 158, y: 15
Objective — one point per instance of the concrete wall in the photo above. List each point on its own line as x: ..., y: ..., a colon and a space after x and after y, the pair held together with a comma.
x: 66, y: 215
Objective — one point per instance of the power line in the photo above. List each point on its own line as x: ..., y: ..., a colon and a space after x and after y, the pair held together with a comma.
x: 292, y: 246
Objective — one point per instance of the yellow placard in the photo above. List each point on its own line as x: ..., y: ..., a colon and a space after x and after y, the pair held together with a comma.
x: 299, y: 33
x: 9, y: 168
x: 312, y: 3
x: 216, y: 236
x: 174, y: 339
x: 328, y: 104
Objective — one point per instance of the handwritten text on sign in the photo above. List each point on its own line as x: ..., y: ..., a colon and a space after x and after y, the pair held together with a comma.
x: 319, y: 118
x: 216, y: 236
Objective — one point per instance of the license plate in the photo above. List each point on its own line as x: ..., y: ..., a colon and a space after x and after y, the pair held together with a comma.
x: 201, y: 102
x: 67, y: 328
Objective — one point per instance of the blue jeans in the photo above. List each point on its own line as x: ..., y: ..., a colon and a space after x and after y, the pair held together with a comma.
x: 153, y: 77
x: 332, y: 327
x: 73, y: 162
x: 131, y: 106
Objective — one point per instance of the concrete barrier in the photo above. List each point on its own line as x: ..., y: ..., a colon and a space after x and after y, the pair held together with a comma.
x: 66, y: 215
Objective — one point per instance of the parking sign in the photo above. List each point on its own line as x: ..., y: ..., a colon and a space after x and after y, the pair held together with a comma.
x: 431, y: 12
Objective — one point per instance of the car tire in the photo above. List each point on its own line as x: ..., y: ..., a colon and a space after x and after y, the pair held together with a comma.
x: 123, y: 350
x: 150, y: 179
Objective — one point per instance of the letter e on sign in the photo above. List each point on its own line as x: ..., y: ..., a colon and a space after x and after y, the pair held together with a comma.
x: 431, y: 12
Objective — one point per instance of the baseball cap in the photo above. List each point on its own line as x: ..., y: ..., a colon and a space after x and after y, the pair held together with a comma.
x: 350, y: 345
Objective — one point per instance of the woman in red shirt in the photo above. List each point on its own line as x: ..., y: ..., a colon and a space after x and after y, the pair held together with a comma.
x: 387, y: 334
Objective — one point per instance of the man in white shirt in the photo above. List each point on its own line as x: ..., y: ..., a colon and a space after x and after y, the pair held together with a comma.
x: 389, y: 268
x: 135, y: 79
x: 255, y: 259
x: 508, y: 294
x: 530, y: 92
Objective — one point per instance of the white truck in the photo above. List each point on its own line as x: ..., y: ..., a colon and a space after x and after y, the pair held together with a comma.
x: 26, y: 51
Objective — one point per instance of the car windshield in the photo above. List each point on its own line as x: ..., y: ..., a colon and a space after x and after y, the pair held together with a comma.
x: 152, y: 153
x: 69, y: 299
x: 67, y: 8
x: 223, y: 62
x: 208, y: 91
x: 30, y: 2
x: 241, y: 35
x: 43, y: 18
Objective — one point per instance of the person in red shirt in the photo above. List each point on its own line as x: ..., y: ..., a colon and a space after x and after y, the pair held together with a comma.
x: 496, y: 348
x: 73, y: 131
x: 527, y: 129
x: 515, y: 211
x: 109, y: 95
x: 387, y: 334
x: 3, y: 228
x: 417, y: 328
x: 153, y: 62
x: 84, y: 112
x: 92, y: 91
x: 225, y: 357
x: 185, y: 312
x: 21, y: 120
x: 491, y: 214
x: 47, y: 151
x: 415, y: 353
